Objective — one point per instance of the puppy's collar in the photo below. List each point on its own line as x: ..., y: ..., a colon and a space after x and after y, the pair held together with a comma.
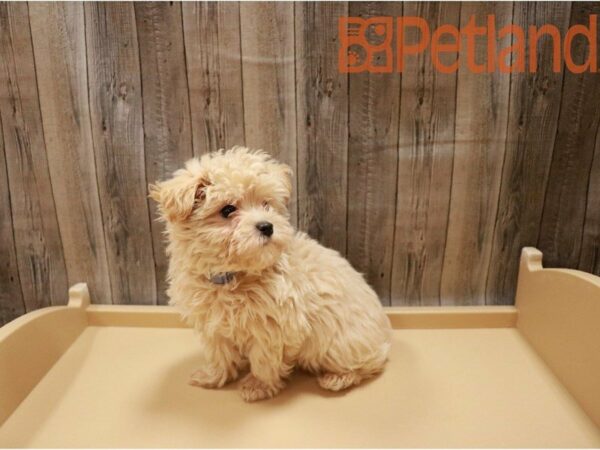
x: 222, y: 278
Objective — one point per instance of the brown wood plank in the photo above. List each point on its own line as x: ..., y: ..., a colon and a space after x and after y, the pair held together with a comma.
x: 168, y: 134
x: 426, y: 148
x: 214, y: 70
x: 589, y: 260
x: 38, y: 243
x: 269, y: 83
x: 564, y: 206
x: 11, y: 297
x: 374, y: 100
x: 480, y: 137
x: 322, y: 127
x: 532, y: 121
x: 116, y: 116
x: 58, y: 33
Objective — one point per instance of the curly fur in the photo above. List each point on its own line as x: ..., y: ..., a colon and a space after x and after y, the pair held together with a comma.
x: 292, y: 302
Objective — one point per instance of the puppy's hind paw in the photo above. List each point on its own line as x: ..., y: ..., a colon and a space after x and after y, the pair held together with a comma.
x: 338, y: 382
x: 253, y: 390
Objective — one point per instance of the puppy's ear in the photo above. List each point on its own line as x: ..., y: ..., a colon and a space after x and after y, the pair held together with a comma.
x: 178, y: 196
x: 286, y: 174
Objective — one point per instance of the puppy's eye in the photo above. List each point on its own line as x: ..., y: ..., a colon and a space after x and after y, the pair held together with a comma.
x: 227, y: 210
x: 266, y: 205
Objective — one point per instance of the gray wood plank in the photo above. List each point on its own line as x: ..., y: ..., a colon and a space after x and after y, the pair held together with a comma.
x: 322, y: 124
x: 374, y: 100
x: 116, y: 116
x: 426, y: 148
x: 589, y: 261
x: 38, y: 243
x: 564, y: 206
x: 58, y: 33
x: 533, y: 118
x: 11, y: 297
x: 214, y: 70
x: 269, y: 83
x: 167, y: 130
x: 480, y: 138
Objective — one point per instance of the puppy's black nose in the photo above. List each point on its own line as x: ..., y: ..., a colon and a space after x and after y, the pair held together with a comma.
x: 265, y: 228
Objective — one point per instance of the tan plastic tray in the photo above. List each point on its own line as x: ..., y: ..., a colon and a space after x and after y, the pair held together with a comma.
x: 113, y: 376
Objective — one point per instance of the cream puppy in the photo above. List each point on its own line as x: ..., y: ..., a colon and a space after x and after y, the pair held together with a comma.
x: 259, y: 293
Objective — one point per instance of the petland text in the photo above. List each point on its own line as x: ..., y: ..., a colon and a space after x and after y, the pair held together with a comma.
x: 366, y: 45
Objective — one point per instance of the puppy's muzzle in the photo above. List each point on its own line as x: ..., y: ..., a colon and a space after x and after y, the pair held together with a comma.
x: 266, y: 228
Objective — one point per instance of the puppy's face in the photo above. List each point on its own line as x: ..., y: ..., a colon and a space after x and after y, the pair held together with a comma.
x: 229, y: 209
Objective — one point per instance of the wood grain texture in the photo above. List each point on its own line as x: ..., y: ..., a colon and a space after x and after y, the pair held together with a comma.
x: 589, y: 260
x: 532, y: 122
x: 269, y: 82
x: 11, y: 297
x: 426, y: 148
x: 212, y: 47
x: 167, y: 130
x: 37, y: 238
x: 564, y: 206
x: 429, y: 183
x: 58, y: 33
x: 116, y: 116
x: 480, y: 137
x: 374, y: 101
x: 322, y: 126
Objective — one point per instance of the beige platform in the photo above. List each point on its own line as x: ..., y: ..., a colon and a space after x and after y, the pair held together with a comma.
x: 116, y: 376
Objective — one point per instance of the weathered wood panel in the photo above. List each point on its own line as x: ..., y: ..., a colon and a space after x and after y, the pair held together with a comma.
x: 116, y: 116
x: 564, y: 207
x: 37, y: 238
x: 590, y: 245
x: 430, y: 183
x: 374, y: 101
x: 59, y: 47
x: 480, y: 138
x: 533, y: 115
x: 11, y: 297
x: 322, y: 127
x: 167, y: 130
x: 269, y: 81
x: 212, y: 47
x: 426, y: 148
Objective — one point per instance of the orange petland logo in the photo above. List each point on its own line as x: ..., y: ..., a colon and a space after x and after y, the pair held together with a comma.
x: 366, y: 45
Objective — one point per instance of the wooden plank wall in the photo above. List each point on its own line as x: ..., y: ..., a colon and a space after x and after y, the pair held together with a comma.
x: 429, y: 183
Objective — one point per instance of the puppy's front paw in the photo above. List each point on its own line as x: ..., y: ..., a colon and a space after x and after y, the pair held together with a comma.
x: 337, y: 382
x: 252, y: 389
x: 208, y: 378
